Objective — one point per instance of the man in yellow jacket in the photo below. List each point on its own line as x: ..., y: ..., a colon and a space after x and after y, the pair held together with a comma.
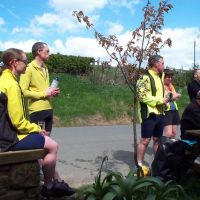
x: 35, y: 86
x: 151, y: 101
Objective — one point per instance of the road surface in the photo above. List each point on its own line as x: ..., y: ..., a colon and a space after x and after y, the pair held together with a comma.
x: 81, y: 150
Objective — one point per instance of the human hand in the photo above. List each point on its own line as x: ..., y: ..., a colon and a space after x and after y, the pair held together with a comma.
x: 165, y: 101
x: 176, y: 96
x: 44, y: 133
x: 52, y: 92
x: 55, y: 92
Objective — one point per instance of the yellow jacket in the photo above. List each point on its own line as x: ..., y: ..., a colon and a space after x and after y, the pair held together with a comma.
x: 16, y: 109
x: 144, y: 93
x: 34, y: 84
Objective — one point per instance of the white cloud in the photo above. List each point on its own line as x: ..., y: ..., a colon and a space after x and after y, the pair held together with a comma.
x: 33, y: 30
x: 63, y: 6
x: 115, y: 28
x: 79, y: 46
x: 60, y: 20
x: 24, y: 45
x: 179, y: 55
x: 129, y: 4
x: 2, y: 22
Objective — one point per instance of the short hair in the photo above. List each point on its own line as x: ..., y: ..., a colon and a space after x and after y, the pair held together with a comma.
x: 168, y: 72
x: 154, y: 59
x: 195, y: 72
x: 11, y: 54
x: 37, y: 46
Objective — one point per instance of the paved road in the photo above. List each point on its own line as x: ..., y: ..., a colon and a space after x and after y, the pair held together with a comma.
x: 81, y: 150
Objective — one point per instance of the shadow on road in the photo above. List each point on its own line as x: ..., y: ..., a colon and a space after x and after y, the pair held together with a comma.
x: 128, y: 157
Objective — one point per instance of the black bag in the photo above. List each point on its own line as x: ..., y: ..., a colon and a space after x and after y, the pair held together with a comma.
x: 168, y: 163
x: 8, y: 133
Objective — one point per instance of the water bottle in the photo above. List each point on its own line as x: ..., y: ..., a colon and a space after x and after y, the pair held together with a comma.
x: 55, y: 82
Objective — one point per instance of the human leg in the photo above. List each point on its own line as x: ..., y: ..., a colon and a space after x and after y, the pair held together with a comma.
x: 49, y: 161
x: 158, y: 131
x: 168, y: 131
x: 155, y: 144
x: 31, y: 141
x: 52, y: 187
x: 147, y: 128
x: 174, y: 130
x: 141, y: 149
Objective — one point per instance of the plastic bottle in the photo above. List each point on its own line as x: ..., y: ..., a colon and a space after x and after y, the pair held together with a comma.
x: 55, y: 82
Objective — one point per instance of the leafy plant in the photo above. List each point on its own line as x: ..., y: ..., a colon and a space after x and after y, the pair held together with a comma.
x: 115, y: 186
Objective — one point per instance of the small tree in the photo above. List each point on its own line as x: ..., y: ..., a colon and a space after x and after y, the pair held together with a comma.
x: 145, y: 41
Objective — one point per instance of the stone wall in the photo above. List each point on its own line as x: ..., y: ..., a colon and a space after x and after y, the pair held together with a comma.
x: 19, y: 175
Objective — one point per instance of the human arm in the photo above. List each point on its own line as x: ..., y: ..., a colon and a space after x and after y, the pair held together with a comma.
x: 16, y: 111
x: 25, y: 80
x: 144, y: 93
x: 33, y: 87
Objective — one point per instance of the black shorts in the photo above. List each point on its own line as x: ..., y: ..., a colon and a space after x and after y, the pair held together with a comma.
x: 152, y: 126
x: 171, y: 118
x: 43, y: 115
x: 31, y: 141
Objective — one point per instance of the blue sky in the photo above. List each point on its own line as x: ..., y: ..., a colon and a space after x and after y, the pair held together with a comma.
x: 24, y: 22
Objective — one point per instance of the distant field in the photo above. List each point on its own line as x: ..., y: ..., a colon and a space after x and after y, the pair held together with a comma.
x: 82, y: 102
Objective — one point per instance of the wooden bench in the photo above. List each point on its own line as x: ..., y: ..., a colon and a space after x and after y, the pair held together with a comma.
x: 19, y: 174
x: 195, y: 151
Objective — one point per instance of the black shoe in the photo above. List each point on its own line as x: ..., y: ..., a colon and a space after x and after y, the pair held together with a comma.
x: 62, y: 189
x: 45, y: 192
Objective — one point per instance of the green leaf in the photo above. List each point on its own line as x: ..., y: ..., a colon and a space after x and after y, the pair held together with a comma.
x: 109, y: 196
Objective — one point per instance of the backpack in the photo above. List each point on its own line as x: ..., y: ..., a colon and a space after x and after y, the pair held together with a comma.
x: 8, y: 133
x: 168, y: 163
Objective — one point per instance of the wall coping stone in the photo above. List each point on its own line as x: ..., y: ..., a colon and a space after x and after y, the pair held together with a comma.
x: 10, y: 157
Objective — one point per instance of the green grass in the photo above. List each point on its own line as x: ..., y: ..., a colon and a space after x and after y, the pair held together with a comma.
x: 183, y: 101
x: 81, y: 99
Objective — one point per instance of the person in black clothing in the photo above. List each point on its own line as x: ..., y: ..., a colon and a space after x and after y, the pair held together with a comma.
x: 194, y: 86
x: 191, y: 118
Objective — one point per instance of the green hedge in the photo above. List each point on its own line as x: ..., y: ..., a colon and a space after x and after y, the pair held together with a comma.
x: 59, y: 63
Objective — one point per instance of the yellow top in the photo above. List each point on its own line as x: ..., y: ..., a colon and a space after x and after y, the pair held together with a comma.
x: 16, y: 110
x: 34, y: 84
x: 144, y: 93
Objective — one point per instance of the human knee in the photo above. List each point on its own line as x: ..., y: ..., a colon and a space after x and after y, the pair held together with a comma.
x: 145, y: 141
x: 51, y: 144
x: 155, y: 140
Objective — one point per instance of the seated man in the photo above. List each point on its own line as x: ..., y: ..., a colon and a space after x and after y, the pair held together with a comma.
x: 191, y: 118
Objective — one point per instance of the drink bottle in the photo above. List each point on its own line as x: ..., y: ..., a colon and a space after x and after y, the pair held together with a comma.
x: 55, y: 82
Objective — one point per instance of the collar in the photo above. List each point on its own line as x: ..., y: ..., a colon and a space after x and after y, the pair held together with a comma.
x: 34, y: 64
x: 9, y: 72
x: 153, y: 72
